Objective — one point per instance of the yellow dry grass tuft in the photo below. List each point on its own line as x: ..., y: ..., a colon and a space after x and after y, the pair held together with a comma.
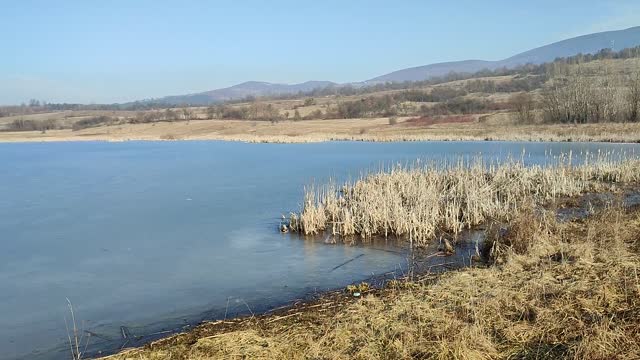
x: 418, y: 202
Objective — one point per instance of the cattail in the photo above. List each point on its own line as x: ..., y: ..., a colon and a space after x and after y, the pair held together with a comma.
x: 421, y: 200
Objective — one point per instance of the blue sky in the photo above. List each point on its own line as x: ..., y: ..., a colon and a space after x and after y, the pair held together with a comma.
x: 115, y: 51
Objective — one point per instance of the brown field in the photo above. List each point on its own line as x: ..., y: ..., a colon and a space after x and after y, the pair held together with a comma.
x: 433, y: 120
x: 498, y: 126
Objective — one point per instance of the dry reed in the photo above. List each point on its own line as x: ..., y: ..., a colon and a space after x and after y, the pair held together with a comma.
x: 420, y: 201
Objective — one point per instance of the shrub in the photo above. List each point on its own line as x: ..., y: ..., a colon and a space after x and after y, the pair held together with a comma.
x: 580, y: 99
x: 524, y: 104
x: 32, y: 125
x: 168, y: 137
x: 316, y: 114
x: 92, y: 122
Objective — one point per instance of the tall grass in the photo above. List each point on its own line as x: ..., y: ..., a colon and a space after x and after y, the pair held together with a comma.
x: 420, y: 201
x: 612, y: 132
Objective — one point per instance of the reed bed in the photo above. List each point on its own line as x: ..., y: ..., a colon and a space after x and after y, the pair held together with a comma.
x: 420, y: 201
x: 412, y: 135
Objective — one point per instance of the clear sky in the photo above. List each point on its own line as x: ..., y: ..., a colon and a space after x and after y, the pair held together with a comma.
x: 121, y: 50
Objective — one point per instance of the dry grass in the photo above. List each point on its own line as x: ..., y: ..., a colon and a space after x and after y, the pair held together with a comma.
x: 604, y: 67
x: 497, y: 126
x: 573, y: 292
x: 422, y: 201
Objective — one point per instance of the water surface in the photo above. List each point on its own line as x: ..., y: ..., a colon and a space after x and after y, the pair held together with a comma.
x: 148, y: 236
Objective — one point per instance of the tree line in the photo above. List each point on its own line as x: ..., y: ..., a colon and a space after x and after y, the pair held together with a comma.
x: 579, y: 98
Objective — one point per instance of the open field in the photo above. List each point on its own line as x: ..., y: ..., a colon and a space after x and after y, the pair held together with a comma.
x: 555, y: 290
x: 492, y: 127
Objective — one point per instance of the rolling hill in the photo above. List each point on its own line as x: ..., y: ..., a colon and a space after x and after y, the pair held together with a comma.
x: 241, y: 91
x: 586, y: 44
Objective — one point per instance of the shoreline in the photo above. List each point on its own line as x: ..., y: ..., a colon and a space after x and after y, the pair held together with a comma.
x: 428, y: 264
x: 314, y: 141
x: 313, y: 131
x: 448, y: 307
x: 324, y: 306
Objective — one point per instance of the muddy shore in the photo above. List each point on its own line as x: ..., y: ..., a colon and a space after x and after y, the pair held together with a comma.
x: 305, y: 315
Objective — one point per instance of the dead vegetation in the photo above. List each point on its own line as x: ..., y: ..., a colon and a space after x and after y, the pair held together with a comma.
x: 421, y: 201
x: 432, y: 120
x: 491, y: 127
x: 560, y: 290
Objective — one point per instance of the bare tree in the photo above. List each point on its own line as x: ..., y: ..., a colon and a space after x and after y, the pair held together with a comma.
x: 186, y: 114
x: 580, y: 98
x: 170, y: 115
x: 211, y: 112
x: 524, y: 105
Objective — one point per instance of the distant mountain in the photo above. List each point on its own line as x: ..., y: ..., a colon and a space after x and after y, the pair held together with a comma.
x: 586, y: 44
x: 241, y: 91
x: 433, y: 70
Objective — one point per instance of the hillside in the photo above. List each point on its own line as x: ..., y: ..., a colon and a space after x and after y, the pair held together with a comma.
x: 586, y: 44
x: 241, y: 91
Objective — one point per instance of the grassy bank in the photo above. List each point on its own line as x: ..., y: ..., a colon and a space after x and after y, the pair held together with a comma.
x: 423, y: 201
x: 560, y: 290
x: 497, y: 127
